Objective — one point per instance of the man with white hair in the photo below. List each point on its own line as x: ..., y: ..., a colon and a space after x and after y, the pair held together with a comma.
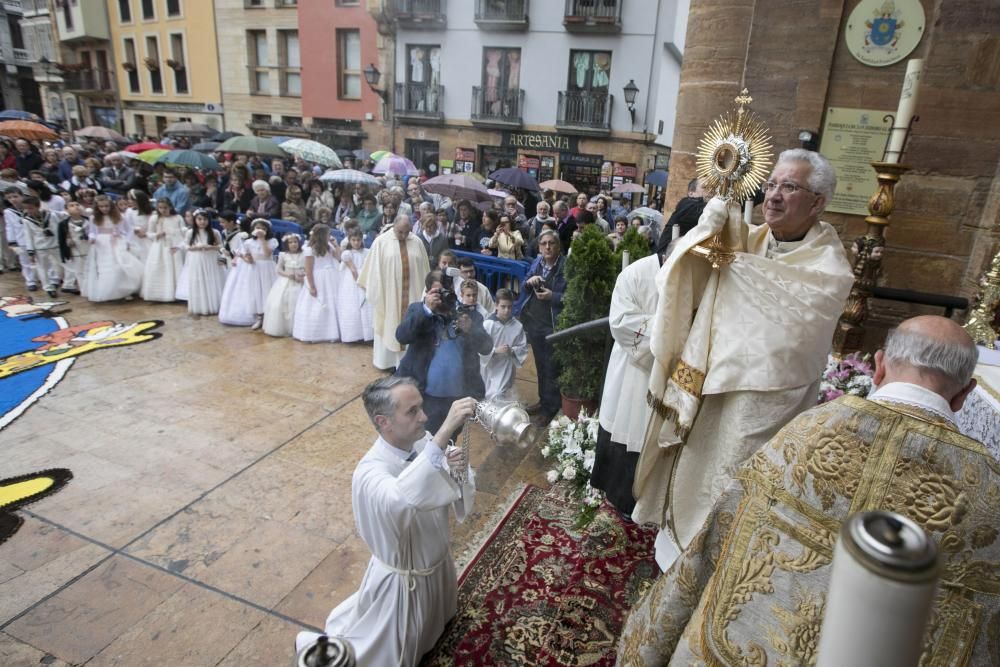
x: 754, y: 580
x: 392, y: 278
x: 738, y: 350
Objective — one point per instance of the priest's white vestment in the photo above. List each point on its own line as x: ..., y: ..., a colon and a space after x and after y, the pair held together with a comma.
x: 624, y: 409
x: 393, y: 278
x: 498, y: 369
x: 738, y: 353
x: 409, y: 591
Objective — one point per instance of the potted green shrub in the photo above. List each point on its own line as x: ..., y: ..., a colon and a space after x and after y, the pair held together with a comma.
x: 590, y: 279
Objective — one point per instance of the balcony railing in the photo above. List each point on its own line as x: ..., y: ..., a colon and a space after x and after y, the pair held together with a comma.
x: 419, y: 102
x: 21, y: 56
x: 497, y: 108
x: 584, y: 112
x: 88, y: 80
x: 502, y: 14
x: 418, y: 14
x: 593, y: 15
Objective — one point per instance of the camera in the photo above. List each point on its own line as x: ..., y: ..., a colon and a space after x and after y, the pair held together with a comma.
x: 448, y: 298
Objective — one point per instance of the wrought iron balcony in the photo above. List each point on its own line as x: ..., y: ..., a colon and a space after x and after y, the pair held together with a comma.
x: 497, y: 108
x: 593, y: 16
x: 21, y: 56
x: 584, y: 112
x: 417, y: 14
x: 419, y: 103
x: 88, y: 81
x: 502, y: 14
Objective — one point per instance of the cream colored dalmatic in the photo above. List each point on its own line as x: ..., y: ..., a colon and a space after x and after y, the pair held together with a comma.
x: 738, y: 353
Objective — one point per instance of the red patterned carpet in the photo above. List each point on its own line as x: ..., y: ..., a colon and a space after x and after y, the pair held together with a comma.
x: 543, y: 593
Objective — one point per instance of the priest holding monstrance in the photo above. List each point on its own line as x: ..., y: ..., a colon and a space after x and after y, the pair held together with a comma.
x: 743, y: 325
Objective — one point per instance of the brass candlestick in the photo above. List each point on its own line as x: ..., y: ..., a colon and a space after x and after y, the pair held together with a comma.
x: 850, y: 332
x: 980, y: 321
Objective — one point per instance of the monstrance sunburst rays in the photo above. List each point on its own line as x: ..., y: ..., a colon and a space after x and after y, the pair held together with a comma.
x: 734, y: 156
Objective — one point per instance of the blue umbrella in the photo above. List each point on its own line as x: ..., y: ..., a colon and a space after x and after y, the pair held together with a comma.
x: 515, y: 178
x: 17, y: 114
x: 657, y: 178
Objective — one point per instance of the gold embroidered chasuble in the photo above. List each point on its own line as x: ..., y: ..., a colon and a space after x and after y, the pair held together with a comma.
x: 751, y: 587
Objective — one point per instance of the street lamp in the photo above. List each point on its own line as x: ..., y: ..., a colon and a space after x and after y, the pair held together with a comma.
x: 372, y: 76
x: 631, y: 90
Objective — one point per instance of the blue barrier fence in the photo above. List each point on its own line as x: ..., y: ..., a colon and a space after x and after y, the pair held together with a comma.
x: 495, y: 272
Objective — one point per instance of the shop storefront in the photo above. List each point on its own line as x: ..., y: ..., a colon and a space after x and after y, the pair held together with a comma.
x: 492, y: 158
x: 582, y: 170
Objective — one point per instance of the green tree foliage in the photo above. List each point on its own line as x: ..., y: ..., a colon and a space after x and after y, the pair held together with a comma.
x: 590, y: 279
x: 637, y: 247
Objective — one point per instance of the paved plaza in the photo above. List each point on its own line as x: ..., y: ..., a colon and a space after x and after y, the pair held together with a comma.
x: 209, y: 517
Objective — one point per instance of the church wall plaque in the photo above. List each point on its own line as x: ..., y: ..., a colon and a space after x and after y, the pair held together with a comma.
x: 852, y: 140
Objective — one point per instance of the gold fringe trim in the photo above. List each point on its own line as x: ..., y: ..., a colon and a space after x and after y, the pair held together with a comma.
x: 667, y: 413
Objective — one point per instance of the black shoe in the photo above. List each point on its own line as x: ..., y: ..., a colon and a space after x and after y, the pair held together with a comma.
x: 71, y: 291
x: 32, y: 288
x: 534, y: 408
x: 51, y: 293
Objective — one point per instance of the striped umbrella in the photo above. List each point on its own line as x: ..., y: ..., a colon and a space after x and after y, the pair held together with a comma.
x: 349, y: 176
x: 146, y: 146
x: 152, y: 155
x: 313, y: 151
x: 378, y: 155
x: 25, y: 129
x: 395, y: 164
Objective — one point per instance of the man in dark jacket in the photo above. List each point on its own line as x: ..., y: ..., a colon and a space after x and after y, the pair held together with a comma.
x: 685, y: 216
x: 538, y: 308
x: 444, y: 343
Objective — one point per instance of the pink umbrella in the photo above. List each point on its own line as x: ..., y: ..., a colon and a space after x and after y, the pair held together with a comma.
x: 395, y: 164
x: 628, y: 187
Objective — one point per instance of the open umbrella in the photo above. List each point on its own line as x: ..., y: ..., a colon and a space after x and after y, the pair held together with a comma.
x: 145, y: 146
x: 189, y: 158
x: 152, y: 155
x: 207, y: 146
x: 101, y: 133
x: 313, y: 151
x: 125, y: 155
x: 188, y: 129
x: 515, y: 178
x: 252, y: 145
x: 395, y: 164
x: 349, y: 176
x: 657, y: 178
x: 223, y: 136
x: 622, y: 188
x: 378, y: 155
x: 646, y: 213
x: 457, y: 187
x: 557, y: 185
x: 18, y: 114
x: 26, y: 129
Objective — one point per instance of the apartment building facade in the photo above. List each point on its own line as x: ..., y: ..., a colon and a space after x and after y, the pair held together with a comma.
x: 168, y: 63
x: 18, y: 88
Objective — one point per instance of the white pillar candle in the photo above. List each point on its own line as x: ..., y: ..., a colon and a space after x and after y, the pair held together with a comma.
x: 675, y: 232
x: 907, y: 105
x: 625, y: 259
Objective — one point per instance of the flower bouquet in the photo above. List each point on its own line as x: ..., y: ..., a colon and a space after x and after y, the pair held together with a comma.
x: 850, y: 375
x: 571, y: 448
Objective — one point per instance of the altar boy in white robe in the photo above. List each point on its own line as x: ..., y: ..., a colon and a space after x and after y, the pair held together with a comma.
x: 401, y: 492
x: 510, y: 348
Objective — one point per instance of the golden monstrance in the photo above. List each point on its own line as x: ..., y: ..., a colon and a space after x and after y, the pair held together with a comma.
x: 734, y: 158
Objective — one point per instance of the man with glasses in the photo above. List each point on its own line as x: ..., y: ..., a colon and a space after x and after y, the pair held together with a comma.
x: 537, y: 308
x: 738, y: 351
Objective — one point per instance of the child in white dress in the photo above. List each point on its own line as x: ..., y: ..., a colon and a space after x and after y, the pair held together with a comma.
x: 354, y: 311
x: 279, y: 310
x: 251, y: 279
x: 181, y: 293
x: 203, y: 278
x: 112, y: 271
x: 510, y: 349
x: 166, y: 257
x: 73, y: 247
x: 316, y: 310
x: 137, y: 216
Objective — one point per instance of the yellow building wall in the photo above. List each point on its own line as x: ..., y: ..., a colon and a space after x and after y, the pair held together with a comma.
x: 197, y: 24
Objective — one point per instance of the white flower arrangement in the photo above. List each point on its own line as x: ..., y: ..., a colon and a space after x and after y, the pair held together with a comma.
x: 850, y: 375
x: 572, y: 449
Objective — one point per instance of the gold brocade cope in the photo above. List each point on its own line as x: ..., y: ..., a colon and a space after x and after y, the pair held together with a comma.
x: 751, y: 587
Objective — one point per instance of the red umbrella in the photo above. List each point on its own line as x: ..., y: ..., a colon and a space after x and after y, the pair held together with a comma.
x: 146, y: 146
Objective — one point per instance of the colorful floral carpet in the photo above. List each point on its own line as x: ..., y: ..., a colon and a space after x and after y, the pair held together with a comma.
x: 541, y: 592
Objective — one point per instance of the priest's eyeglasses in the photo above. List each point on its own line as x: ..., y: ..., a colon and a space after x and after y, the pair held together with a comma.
x: 787, y: 188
